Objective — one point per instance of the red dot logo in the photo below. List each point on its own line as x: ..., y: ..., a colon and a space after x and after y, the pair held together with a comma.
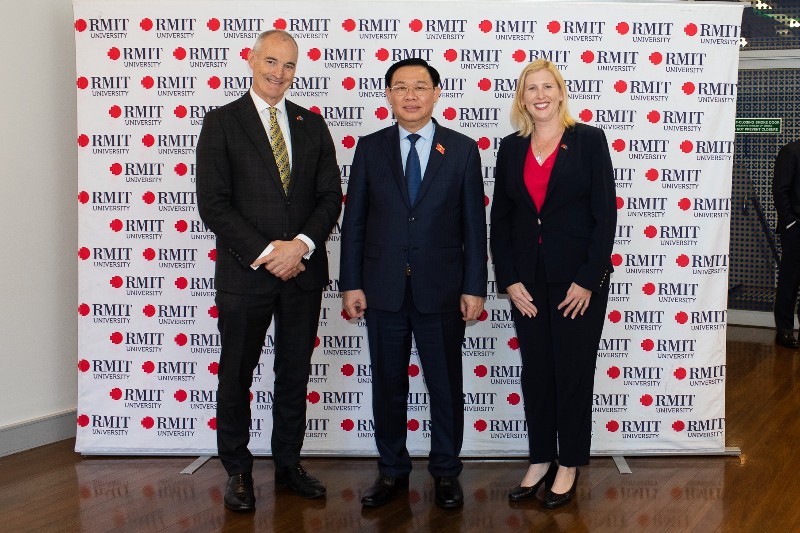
x: 449, y: 113
x: 648, y: 345
x: 115, y: 169
x: 678, y: 425
x: 554, y: 26
x: 650, y: 232
x: 612, y: 426
x: 213, y: 312
x: 484, y: 143
x: 415, y: 25
x: 214, y: 82
x: 80, y: 25
x: 680, y: 373
x: 684, y: 204
x: 213, y: 368
x: 148, y: 422
x: 82, y: 82
x: 349, y: 25
x: 654, y: 117
x: 618, y: 145
x: 621, y: 86
x: 480, y: 371
x: 149, y: 197
x: 348, y: 425
x: 114, y: 53
x: 587, y: 56
x: 413, y: 370
x: 513, y: 398
x: 181, y: 226
x: 316, y: 342
x: 116, y: 337
x: 148, y: 82
x: 313, y: 397
x: 485, y: 200
x: 212, y: 254
x: 83, y: 140
x: 450, y: 55
x: 651, y: 175
x: 315, y: 109
x: 681, y: 317
x: 245, y: 53
x: 83, y: 197
x: 83, y: 365
x: 620, y: 202
x: 413, y: 425
x: 485, y: 26
x: 84, y: 309
x: 688, y: 88
x: 484, y: 315
x: 179, y: 53
x: 519, y: 56
x: 84, y: 253
x: 646, y: 400
x: 623, y: 28
x: 314, y: 54
x: 149, y: 310
x: 180, y: 395
x: 213, y: 24
x: 513, y: 343
x: 148, y: 367
x: 687, y: 147
x: 148, y: 140
x: 613, y: 372
x: 484, y: 84
x: 480, y: 425
x: 83, y: 421
x: 116, y: 393
x: 349, y: 83
x: 616, y: 259
x: 656, y: 58
x: 348, y: 370
x: 382, y: 54
x: 382, y: 113
x: 212, y: 423
x: 586, y: 115
x: 180, y: 111
x: 349, y: 141
x: 146, y: 24
x: 614, y: 316
x: 649, y: 289
x: 279, y: 24
x: 181, y: 283
x: 116, y: 225
x: 181, y: 339
x: 115, y: 111
x: 690, y: 29
x: 682, y: 260
x: 181, y: 169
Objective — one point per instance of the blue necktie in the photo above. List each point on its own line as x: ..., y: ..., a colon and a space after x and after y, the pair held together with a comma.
x: 413, y: 170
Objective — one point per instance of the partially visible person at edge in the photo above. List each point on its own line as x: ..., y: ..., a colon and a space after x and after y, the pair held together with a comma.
x: 413, y: 261
x: 553, y: 221
x: 786, y: 197
x: 269, y: 187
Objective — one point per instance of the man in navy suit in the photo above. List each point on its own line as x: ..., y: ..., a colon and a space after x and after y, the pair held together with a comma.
x: 269, y: 187
x: 786, y: 196
x: 413, y: 261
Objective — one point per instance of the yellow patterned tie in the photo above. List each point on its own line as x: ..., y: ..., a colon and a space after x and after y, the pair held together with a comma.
x: 279, y: 148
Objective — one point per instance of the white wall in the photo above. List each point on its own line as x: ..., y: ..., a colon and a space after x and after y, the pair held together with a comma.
x: 38, y: 212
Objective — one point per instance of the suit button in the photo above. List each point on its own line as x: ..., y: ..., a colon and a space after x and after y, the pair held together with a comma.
x: 539, y: 221
x: 411, y: 219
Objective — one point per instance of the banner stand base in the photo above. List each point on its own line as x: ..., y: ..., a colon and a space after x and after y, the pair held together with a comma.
x: 623, y: 468
x: 196, y: 464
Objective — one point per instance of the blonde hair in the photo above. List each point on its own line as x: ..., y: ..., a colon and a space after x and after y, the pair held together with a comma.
x: 520, y: 117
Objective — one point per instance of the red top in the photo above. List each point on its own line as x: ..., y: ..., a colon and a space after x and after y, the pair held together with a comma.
x: 537, y: 176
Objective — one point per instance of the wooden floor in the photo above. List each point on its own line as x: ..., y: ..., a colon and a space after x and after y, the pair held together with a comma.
x: 53, y: 489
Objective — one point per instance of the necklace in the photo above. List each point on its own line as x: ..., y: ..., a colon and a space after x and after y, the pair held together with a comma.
x: 540, y: 158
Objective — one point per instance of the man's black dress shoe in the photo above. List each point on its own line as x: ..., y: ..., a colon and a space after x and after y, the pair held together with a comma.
x: 786, y: 339
x: 300, y: 481
x: 448, y: 492
x: 521, y: 493
x: 383, y: 490
x: 554, y: 500
x: 239, y: 495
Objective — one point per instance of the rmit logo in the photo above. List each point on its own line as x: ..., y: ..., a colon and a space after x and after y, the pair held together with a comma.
x: 710, y: 261
x: 308, y: 25
x: 341, y: 341
x: 508, y: 425
x: 686, y: 58
x: 110, y: 421
x: 500, y: 315
x: 111, y: 366
x: 649, y: 87
x: 641, y: 426
x: 208, y: 53
x: 109, y: 82
x: 584, y: 86
x: 143, y: 395
x: 242, y: 25
x: 479, y: 343
x: 203, y: 339
x: 306, y: 83
x: 201, y: 284
x: 176, y: 367
x: 142, y: 111
x: 610, y: 400
x: 106, y: 25
x: 710, y: 424
x: 716, y: 89
x: 342, y: 397
x: 176, y: 422
x: 445, y: 25
x: 675, y: 345
x: 317, y: 424
x: 554, y: 56
x: 505, y: 371
x: 614, y: 345
x: 652, y: 28
x: 515, y: 26
x: 143, y: 282
x: 479, y: 398
x: 174, y: 24
x: 378, y: 25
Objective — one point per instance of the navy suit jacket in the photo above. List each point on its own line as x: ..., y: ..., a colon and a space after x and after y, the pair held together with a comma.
x: 577, y: 222
x: 442, y: 237
x: 786, y: 185
x: 241, y: 199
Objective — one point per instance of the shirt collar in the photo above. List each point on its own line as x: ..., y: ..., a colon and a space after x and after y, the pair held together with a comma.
x: 426, y: 131
x: 261, y: 105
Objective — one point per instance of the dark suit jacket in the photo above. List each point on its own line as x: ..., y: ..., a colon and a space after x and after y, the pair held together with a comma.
x: 577, y: 222
x: 241, y: 199
x: 786, y: 185
x: 443, y: 237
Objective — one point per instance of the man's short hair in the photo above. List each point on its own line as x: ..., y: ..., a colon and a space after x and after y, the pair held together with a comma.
x: 413, y: 62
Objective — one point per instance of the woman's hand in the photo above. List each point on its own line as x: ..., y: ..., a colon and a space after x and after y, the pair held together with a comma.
x: 522, y: 299
x: 577, y: 300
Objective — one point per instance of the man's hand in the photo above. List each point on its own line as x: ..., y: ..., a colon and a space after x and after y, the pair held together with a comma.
x: 471, y: 307
x: 354, y: 303
x: 285, y: 260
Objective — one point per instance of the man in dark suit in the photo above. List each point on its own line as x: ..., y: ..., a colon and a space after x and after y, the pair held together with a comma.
x: 786, y: 196
x: 269, y: 187
x: 413, y: 261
